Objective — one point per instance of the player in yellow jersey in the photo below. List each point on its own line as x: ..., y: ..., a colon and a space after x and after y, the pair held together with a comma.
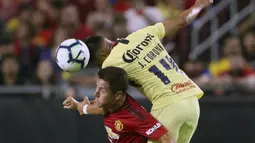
x: 154, y: 73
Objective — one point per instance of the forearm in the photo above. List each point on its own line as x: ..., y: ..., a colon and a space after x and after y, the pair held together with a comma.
x: 190, y: 14
x: 90, y: 109
x: 93, y: 109
x: 166, y: 138
x: 187, y: 16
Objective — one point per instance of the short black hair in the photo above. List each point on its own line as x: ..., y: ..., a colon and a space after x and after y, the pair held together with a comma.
x: 6, y: 39
x: 116, y: 78
x: 9, y: 56
x: 93, y: 43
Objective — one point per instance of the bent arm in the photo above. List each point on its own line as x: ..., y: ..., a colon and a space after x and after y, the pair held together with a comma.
x: 91, y: 109
x: 187, y: 16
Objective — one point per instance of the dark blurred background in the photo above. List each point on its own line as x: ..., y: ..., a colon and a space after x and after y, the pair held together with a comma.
x: 217, y: 51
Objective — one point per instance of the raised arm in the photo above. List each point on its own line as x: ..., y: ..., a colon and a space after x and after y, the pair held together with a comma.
x: 174, y: 24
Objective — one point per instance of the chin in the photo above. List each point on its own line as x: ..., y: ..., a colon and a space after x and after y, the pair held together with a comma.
x: 99, y: 105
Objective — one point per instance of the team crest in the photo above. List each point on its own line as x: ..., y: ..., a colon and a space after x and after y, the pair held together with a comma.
x: 118, y: 125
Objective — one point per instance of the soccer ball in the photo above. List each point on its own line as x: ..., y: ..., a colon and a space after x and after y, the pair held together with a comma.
x: 72, y: 55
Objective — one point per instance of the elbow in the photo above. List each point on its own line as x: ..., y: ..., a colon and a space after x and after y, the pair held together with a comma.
x: 166, y: 138
x: 183, y: 21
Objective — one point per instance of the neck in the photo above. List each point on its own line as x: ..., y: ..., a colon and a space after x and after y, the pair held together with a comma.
x: 9, y: 80
x: 117, y: 106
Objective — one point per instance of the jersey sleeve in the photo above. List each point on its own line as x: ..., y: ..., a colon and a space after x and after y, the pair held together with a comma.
x: 150, y: 128
x: 108, y: 63
x: 157, y: 29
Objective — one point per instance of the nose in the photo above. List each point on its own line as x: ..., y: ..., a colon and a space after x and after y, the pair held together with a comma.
x: 96, y: 94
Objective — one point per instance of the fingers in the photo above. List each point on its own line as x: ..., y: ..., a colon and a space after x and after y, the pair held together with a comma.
x: 86, y: 100
x: 67, y: 101
x: 75, y: 101
x: 67, y: 107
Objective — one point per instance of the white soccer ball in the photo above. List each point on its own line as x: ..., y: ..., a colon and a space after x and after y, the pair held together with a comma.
x: 72, y: 55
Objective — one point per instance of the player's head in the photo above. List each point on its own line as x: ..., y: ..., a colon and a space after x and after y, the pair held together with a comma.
x: 112, y: 84
x: 99, y: 48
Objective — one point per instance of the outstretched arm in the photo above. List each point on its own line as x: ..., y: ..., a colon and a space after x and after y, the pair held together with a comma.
x: 174, y: 24
x: 84, y: 107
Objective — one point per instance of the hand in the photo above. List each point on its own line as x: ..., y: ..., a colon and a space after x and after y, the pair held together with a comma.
x: 204, y: 3
x: 81, y: 105
x: 70, y: 103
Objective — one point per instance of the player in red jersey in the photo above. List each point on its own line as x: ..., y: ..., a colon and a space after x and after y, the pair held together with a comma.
x: 126, y: 121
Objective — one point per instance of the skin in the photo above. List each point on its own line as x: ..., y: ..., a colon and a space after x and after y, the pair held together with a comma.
x: 171, y: 27
x: 108, y: 101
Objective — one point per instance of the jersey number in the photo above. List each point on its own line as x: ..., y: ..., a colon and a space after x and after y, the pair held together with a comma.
x: 168, y: 65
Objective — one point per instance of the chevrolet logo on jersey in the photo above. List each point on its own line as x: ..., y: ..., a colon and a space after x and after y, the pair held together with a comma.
x: 131, y: 55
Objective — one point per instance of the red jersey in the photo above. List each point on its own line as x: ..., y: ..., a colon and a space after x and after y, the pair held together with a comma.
x: 132, y: 124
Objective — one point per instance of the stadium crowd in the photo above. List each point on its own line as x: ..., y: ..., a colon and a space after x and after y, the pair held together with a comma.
x: 31, y: 30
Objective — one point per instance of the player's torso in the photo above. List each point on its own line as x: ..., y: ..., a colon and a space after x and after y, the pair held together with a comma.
x: 151, y: 69
x: 119, y: 125
x: 119, y: 133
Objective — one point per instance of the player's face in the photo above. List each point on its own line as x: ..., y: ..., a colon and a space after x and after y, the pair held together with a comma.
x: 105, y: 50
x: 103, y: 94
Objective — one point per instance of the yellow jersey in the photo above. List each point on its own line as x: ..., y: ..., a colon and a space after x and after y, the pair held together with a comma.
x: 150, y: 68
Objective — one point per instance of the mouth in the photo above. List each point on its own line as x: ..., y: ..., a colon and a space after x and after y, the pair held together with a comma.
x: 97, y: 103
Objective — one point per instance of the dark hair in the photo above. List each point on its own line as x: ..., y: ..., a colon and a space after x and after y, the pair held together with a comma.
x: 119, y: 19
x: 116, y: 78
x: 6, y: 39
x: 93, y: 43
x: 8, y: 56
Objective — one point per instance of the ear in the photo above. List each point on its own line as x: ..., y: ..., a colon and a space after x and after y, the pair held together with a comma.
x: 119, y: 95
x: 103, y: 55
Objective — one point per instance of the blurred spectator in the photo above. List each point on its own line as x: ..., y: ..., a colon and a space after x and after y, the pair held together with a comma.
x: 69, y: 19
x: 6, y: 44
x: 8, y: 8
x: 25, y: 50
x: 168, y: 9
x: 120, y: 5
x: 33, y: 29
x: 50, y: 9
x: 44, y: 74
x: 48, y: 54
x: 24, y: 16
x: 84, y: 7
x: 102, y: 14
x: 198, y: 72
x: 119, y: 26
x: 10, y: 71
x: 249, y: 23
x: 249, y: 47
x: 141, y: 15
x: 42, y: 33
x: 231, y: 47
x: 102, y: 30
x: 233, y: 69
